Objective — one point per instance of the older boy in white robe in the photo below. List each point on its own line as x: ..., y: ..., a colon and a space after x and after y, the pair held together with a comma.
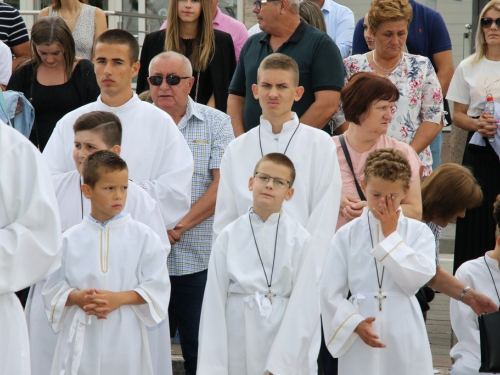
x: 317, y: 199
x: 483, y: 275
x: 382, y: 258
x: 260, y: 309
x: 94, y: 131
x: 30, y: 240
x: 157, y: 155
x: 112, y: 282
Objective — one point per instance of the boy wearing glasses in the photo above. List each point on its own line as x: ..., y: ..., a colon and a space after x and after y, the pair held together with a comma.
x: 260, y: 309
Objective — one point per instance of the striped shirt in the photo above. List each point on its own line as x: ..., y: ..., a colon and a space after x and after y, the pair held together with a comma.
x: 207, y: 132
x: 436, y: 231
x: 12, y: 27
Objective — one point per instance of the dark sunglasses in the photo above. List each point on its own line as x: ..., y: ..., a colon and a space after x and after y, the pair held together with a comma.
x: 258, y: 3
x: 172, y: 79
x: 487, y: 22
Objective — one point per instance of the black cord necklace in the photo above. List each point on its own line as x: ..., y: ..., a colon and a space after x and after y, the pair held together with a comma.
x: 288, y: 144
x: 380, y: 296
x: 269, y: 294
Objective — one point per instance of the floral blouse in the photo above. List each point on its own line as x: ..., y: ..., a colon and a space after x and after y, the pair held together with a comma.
x: 420, y: 98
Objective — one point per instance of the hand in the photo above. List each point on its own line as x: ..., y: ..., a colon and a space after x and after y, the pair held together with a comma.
x: 19, y: 107
x: 103, y: 302
x: 174, y: 235
x: 365, y: 331
x: 347, y: 200
x: 487, y: 125
x: 354, y: 211
x: 479, y: 302
x: 77, y: 297
x: 387, y: 214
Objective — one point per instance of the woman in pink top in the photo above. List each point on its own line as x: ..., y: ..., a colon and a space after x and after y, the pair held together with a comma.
x: 368, y: 101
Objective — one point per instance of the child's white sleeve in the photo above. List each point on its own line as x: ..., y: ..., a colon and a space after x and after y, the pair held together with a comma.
x: 412, y: 261
x: 340, y: 317
x: 154, y: 283
x: 212, y: 339
x: 55, y: 294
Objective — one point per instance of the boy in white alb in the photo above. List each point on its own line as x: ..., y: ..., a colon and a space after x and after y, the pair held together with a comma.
x: 317, y: 199
x: 112, y: 282
x: 94, y: 131
x: 260, y: 309
x: 382, y: 258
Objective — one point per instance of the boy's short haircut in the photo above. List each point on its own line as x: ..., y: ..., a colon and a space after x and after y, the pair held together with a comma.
x: 278, y: 61
x: 450, y: 189
x: 280, y: 159
x: 106, y: 124
x: 117, y: 36
x: 388, y: 164
x: 101, y: 162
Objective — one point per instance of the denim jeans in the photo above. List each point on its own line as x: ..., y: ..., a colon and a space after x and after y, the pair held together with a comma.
x: 185, y: 310
x: 436, y: 145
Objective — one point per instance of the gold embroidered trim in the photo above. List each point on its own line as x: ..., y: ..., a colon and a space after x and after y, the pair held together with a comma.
x: 55, y: 305
x: 338, y: 329
x: 154, y: 306
x: 394, y: 248
x: 106, y: 268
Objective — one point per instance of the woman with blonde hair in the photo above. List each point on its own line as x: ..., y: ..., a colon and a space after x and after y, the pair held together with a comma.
x: 475, y: 78
x: 54, y: 80
x: 417, y: 115
x: 211, y: 52
x: 310, y: 12
x: 85, y: 22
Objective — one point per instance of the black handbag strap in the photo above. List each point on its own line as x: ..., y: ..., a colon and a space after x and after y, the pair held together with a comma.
x: 349, y: 163
x: 491, y: 277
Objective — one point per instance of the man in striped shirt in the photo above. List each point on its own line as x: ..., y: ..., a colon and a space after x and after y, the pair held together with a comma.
x: 13, y: 33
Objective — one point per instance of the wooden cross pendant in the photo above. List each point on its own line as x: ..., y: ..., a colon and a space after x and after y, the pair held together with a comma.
x: 380, y: 297
x: 270, y: 295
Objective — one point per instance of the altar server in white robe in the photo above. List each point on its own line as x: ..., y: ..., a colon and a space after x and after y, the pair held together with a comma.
x: 317, y: 199
x: 30, y: 240
x: 483, y: 275
x: 260, y: 309
x: 112, y: 282
x: 157, y: 155
x: 94, y: 131
x: 382, y: 258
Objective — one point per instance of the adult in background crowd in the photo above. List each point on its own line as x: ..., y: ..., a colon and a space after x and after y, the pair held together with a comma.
x: 85, y: 22
x: 475, y: 77
x: 207, y: 132
x: 318, y: 58
x: 417, y: 116
x: 158, y: 157
x: 30, y: 240
x: 211, y: 52
x: 13, y: 33
x: 311, y: 13
x: 223, y: 22
x: 429, y: 37
x: 53, y: 79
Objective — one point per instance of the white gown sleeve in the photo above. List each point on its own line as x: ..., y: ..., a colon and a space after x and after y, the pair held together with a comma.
x: 154, y: 284
x: 411, y: 267
x: 300, y: 321
x: 226, y: 210
x: 172, y: 187
x: 340, y: 317
x: 155, y: 222
x: 30, y: 243
x: 54, y: 151
x: 212, y: 350
x: 323, y: 219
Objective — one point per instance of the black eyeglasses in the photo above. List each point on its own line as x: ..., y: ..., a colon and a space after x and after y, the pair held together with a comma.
x: 487, y: 22
x: 258, y: 3
x: 172, y: 79
x: 278, y: 182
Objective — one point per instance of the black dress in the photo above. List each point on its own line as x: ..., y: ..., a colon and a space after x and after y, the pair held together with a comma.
x: 215, y: 79
x: 51, y: 103
x: 475, y: 233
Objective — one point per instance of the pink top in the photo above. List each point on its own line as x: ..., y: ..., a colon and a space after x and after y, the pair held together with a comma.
x: 358, y: 162
x: 235, y: 28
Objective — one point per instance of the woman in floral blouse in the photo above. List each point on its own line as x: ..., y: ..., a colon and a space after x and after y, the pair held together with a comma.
x: 417, y: 115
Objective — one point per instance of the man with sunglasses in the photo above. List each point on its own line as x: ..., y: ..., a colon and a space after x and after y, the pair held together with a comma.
x: 208, y: 133
x: 157, y: 155
x: 318, y: 58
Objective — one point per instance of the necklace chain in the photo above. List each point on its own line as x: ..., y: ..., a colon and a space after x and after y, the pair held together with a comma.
x: 387, y: 71
x: 106, y: 268
x: 288, y: 144
x: 71, y: 20
x: 379, y: 281
x: 269, y: 282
